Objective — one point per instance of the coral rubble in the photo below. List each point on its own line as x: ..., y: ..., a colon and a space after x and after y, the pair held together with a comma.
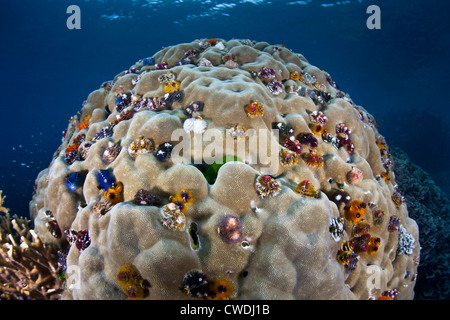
x: 246, y: 174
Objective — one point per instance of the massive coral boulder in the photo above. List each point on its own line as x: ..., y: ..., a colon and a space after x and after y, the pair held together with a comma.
x: 226, y: 169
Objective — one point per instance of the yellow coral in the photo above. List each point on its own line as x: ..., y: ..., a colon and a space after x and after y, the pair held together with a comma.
x: 306, y: 190
x: 381, y: 144
x: 296, y: 76
x: 344, y: 254
x: 183, y: 200
x: 132, y: 283
x: 254, y: 110
x: 114, y: 192
x: 85, y: 123
x: 288, y: 158
x: 172, y: 86
x: 373, y: 245
x: 220, y: 289
x: 313, y: 159
x: 355, y: 210
x: 385, y: 176
x: 317, y: 128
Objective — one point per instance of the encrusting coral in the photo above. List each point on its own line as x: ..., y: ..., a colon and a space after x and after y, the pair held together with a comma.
x: 240, y: 171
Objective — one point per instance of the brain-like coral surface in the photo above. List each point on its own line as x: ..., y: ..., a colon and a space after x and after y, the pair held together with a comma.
x: 226, y: 170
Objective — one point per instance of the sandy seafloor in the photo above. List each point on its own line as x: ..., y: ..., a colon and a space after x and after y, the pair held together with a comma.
x: 398, y: 73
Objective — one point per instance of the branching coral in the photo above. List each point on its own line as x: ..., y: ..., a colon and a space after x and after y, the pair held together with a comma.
x: 2, y: 200
x: 29, y: 268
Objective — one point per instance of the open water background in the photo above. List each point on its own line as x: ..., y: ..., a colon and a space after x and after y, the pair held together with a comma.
x: 398, y: 73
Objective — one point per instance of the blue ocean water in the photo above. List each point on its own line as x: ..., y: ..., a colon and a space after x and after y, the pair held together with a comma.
x: 398, y: 73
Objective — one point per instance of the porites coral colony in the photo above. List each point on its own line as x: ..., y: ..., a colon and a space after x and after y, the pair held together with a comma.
x: 281, y: 246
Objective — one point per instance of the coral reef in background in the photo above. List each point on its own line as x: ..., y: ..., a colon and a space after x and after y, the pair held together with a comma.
x: 29, y: 269
x: 323, y: 220
x: 429, y: 206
